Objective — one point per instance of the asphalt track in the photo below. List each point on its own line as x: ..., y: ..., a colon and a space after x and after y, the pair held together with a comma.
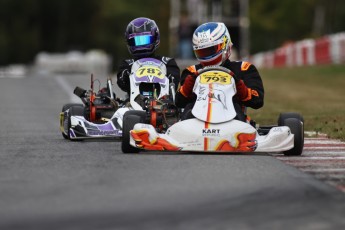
x: 47, y: 182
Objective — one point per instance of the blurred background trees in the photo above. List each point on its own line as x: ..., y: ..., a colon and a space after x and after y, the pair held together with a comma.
x: 273, y: 23
x: 30, y: 26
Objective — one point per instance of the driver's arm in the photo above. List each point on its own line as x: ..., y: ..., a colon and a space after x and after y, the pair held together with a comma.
x: 123, y: 76
x: 184, y: 94
x: 254, y: 97
x: 173, y: 71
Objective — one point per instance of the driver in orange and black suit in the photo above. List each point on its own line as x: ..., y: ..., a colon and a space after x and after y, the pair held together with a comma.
x: 212, y: 46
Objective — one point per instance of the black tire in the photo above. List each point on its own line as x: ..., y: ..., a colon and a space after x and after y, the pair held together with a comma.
x: 296, y: 127
x: 139, y: 113
x: 129, y: 121
x: 74, y: 110
x: 284, y: 116
x: 65, y: 136
x: 67, y: 106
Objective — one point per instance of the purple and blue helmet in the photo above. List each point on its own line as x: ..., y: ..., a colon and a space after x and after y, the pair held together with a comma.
x: 142, y: 36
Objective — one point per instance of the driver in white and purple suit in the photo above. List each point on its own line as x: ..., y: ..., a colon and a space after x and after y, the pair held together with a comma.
x: 142, y: 37
x: 212, y: 46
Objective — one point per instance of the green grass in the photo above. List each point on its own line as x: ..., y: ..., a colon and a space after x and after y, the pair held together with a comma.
x: 318, y: 93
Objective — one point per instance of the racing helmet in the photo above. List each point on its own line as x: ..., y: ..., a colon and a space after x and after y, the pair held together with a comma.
x: 212, y: 43
x: 142, y: 37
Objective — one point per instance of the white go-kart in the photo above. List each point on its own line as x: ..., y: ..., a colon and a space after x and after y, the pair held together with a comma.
x: 214, y: 127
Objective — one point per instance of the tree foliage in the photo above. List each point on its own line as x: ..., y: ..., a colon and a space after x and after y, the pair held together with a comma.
x: 276, y: 22
x: 30, y: 26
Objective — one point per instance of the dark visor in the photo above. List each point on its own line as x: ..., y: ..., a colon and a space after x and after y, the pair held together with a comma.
x: 208, y: 52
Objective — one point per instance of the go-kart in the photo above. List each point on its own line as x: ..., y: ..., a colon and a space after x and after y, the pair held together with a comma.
x: 214, y: 127
x: 101, y: 115
x: 94, y: 117
x: 152, y: 95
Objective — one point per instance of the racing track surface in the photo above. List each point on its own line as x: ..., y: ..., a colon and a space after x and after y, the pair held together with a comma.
x: 322, y: 157
x: 47, y: 182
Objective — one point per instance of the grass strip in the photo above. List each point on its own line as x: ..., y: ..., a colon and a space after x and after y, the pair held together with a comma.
x: 316, y: 92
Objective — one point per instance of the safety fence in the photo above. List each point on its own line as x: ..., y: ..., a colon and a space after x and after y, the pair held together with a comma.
x: 325, y: 50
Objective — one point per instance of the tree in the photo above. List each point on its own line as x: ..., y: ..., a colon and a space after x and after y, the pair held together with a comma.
x: 276, y: 22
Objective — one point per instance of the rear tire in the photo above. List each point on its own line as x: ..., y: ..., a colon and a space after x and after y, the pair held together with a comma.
x: 129, y: 121
x: 296, y: 127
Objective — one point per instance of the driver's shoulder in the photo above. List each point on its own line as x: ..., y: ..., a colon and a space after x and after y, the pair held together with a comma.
x: 129, y: 61
x: 193, y: 68
x: 164, y: 59
x: 240, y: 66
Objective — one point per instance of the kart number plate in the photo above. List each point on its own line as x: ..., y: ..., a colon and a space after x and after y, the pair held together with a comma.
x: 152, y: 71
x: 215, y: 77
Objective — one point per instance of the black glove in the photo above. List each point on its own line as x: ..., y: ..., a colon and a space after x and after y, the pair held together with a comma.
x: 171, y: 78
x: 123, y: 79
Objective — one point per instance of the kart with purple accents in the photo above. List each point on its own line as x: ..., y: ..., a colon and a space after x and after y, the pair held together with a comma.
x: 101, y: 114
x: 94, y: 117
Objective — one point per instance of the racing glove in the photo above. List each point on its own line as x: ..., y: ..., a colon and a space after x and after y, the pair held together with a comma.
x: 187, y: 87
x: 123, y: 80
x: 242, y: 89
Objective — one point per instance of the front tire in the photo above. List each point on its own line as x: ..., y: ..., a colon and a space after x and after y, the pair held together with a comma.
x: 64, y: 108
x: 296, y: 128
x: 129, y: 121
x: 75, y: 110
x: 69, y: 105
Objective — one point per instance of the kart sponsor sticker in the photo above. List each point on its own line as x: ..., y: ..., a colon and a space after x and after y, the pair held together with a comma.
x: 104, y: 132
x: 151, y: 71
x: 210, y: 132
x: 204, y: 36
x: 277, y: 129
x: 215, y: 77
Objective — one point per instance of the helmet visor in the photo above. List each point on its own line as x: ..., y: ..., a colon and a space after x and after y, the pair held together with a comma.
x: 208, y: 52
x: 141, y: 40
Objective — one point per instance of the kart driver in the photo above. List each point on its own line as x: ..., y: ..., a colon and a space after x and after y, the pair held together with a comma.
x: 212, y: 46
x: 143, y: 38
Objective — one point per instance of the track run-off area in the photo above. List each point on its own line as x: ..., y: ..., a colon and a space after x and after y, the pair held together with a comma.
x: 322, y: 157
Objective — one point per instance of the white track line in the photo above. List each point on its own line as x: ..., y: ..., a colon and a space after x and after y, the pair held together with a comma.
x: 306, y: 141
x: 330, y: 170
x: 324, y: 147
x: 311, y: 158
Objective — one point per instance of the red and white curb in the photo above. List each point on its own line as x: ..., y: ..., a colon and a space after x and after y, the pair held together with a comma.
x: 322, y: 157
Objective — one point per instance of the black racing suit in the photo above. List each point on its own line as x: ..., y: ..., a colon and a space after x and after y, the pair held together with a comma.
x: 242, y: 70
x: 173, y: 71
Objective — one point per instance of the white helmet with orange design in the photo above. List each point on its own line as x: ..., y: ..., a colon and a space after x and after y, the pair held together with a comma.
x: 212, y: 43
